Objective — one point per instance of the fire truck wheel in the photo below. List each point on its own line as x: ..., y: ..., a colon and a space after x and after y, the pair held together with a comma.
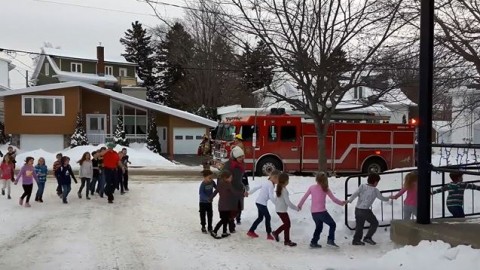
x: 374, y: 165
x: 268, y: 164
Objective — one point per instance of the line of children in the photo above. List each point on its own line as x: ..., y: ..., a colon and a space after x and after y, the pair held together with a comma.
x: 320, y: 215
x: 267, y: 189
x: 456, y: 192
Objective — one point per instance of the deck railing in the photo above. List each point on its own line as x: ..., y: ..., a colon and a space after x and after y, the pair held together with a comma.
x: 97, y: 139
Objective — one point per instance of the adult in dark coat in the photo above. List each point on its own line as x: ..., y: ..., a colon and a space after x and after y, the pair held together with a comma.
x: 235, y: 166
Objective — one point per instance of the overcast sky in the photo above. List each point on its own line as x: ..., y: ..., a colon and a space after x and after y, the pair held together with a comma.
x: 27, y: 24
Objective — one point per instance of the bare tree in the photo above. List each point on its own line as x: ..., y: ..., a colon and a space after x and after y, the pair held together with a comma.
x: 324, y: 47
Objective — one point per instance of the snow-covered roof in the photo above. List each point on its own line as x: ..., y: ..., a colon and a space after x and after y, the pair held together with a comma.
x: 83, y: 56
x: 3, y: 88
x: 118, y: 96
x: 9, y: 63
x: 442, y: 126
x: 65, y: 76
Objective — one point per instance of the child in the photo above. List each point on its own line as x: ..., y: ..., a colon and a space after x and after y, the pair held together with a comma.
x: 7, y: 169
x: 282, y: 202
x: 119, y: 173
x: 96, y: 172
x: 320, y: 214
x: 56, y: 165
x: 206, y: 192
x: 226, y: 203
x: 86, y: 173
x: 125, y: 160
x: 267, y: 190
x: 41, y: 171
x: 27, y: 173
x: 410, y: 202
x: 456, y: 190
x: 65, y: 175
x: 366, y: 193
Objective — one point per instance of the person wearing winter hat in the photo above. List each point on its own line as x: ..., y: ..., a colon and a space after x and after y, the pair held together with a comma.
x: 240, y: 151
x: 236, y: 168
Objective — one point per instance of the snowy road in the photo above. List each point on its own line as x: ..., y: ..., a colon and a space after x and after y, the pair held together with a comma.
x: 156, y: 226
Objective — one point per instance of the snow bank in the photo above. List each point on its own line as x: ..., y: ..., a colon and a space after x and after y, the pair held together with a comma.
x: 427, y: 255
x: 139, y: 155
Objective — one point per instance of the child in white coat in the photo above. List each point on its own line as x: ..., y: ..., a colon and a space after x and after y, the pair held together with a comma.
x: 282, y: 203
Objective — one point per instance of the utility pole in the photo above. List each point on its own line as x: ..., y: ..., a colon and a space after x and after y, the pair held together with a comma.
x: 26, y: 78
x: 425, y: 112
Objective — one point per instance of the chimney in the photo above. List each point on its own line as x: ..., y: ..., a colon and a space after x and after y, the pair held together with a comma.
x: 101, y: 64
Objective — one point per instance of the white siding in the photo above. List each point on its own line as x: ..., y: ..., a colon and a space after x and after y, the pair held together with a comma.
x: 49, y: 143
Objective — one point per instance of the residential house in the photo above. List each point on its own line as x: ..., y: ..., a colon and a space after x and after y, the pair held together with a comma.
x: 44, y: 116
x: 5, y: 67
x: 56, y: 66
x: 393, y: 106
x: 464, y: 126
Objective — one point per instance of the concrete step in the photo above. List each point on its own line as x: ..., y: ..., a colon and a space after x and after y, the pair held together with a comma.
x: 454, y: 231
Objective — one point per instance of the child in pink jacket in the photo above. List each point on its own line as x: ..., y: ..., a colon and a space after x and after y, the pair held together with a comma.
x: 410, y: 202
x: 320, y: 215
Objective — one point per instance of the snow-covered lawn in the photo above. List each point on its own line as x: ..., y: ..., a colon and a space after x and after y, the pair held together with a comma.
x: 156, y: 226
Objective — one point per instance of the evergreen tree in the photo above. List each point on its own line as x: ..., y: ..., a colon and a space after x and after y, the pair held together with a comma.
x: 173, y: 54
x: 79, y: 136
x: 258, y: 65
x: 119, y: 135
x: 153, y: 143
x: 3, y: 138
x: 138, y: 49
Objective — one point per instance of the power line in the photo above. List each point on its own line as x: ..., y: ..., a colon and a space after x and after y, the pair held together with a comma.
x: 97, y: 8
x: 241, y: 70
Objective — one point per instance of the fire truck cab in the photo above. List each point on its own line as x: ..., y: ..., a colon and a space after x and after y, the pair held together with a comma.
x: 289, y: 143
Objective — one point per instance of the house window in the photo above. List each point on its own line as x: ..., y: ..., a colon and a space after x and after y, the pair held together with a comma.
x: 358, y: 92
x: 76, y: 67
x: 122, y: 72
x: 108, y: 70
x: 47, y: 69
x: 43, y: 105
x: 134, y: 118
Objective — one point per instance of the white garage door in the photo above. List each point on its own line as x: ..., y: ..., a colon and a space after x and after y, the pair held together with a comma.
x: 49, y: 143
x: 187, y: 140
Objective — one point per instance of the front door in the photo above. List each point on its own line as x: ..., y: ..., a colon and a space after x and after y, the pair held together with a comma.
x: 96, y: 128
x: 162, y: 138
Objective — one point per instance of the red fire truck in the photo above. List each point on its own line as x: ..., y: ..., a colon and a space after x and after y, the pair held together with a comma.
x: 289, y: 143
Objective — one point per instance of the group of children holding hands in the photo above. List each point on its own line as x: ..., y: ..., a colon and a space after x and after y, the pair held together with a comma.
x: 90, y: 173
x: 274, y: 190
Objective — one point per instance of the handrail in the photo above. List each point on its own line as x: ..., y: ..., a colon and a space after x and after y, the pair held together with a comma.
x: 441, y: 170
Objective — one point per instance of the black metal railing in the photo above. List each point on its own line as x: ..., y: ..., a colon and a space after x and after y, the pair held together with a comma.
x: 386, y: 214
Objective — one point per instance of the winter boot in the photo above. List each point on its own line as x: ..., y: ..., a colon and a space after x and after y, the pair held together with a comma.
x: 332, y: 243
x: 8, y: 197
x: 369, y: 241
x: 79, y: 195
x: 3, y: 191
x: 315, y: 245
x: 204, y: 230
x: 40, y: 199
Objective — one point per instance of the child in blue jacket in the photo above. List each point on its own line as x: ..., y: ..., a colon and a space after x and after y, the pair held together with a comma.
x: 65, y: 174
x: 206, y: 195
x: 41, y: 171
